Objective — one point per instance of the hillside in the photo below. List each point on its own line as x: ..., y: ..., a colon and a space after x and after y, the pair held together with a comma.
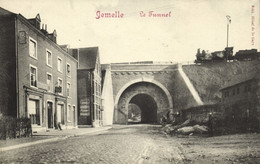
x: 209, y: 78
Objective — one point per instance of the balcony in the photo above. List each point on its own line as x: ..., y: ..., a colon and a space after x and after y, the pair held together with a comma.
x: 58, y: 89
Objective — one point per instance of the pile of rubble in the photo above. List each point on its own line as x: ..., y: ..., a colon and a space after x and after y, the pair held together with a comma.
x: 186, y: 128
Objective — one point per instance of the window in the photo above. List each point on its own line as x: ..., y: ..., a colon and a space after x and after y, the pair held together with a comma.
x: 48, y: 58
x: 225, y: 94
x: 249, y: 88
x: 238, y: 90
x: 245, y: 89
x: 59, y: 64
x: 33, y: 76
x: 234, y: 91
x: 73, y: 114
x: 33, y: 48
x: 68, y: 89
x: 68, y: 70
x: 60, y: 85
x: 49, y: 82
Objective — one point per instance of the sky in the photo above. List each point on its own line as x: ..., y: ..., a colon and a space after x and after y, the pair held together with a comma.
x: 192, y: 24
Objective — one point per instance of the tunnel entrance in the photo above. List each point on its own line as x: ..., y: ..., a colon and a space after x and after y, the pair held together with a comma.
x: 142, y: 102
x: 142, y: 109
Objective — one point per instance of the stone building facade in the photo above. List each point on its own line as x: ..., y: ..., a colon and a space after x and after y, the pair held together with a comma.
x: 89, y: 87
x: 241, y: 102
x: 39, y: 79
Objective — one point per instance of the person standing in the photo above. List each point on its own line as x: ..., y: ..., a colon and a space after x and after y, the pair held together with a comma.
x: 210, y: 124
x: 59, y: 122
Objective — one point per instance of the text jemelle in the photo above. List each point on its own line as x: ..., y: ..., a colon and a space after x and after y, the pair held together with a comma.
x: 116, y: 14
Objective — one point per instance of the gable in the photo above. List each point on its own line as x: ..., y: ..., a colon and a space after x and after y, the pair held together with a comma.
x: 88, y: 57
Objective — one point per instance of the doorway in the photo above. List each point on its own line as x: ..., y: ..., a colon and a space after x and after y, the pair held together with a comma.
x: 60, y: 114
x: 74, y: 116
x: 50, y: 114
x: 34, y: 111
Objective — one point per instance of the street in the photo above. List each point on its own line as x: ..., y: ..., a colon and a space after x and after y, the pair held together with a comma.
x: 140, y: 143
x: 122, y: 144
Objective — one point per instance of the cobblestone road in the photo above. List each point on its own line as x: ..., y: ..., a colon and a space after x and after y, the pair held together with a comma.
x: 121, y: 144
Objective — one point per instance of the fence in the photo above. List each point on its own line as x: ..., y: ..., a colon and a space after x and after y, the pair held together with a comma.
x: 200, y: 114
x: 222, y: 120
x: 11, y: 127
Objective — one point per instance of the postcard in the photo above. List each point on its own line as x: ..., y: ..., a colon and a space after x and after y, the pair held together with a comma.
x: 129, y: 81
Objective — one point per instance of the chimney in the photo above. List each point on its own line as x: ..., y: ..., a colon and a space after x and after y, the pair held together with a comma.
x: 65, y: 47
x: 44, y: 31
x: 52, y: 36
x: 36, y: 22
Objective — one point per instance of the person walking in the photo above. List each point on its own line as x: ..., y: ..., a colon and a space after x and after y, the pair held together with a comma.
x: 59, y: 126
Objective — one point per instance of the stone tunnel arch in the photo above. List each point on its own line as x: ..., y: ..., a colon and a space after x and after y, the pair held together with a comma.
x: 142, y: 86
x: 147, y: 105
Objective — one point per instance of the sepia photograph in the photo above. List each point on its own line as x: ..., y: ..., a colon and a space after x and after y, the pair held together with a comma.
x: 130, y: 81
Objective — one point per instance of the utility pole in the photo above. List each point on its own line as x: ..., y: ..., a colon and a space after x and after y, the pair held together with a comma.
x: 228, y: 22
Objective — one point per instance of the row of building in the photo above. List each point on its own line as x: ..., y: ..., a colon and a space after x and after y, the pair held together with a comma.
x: 240, y: 102
x: 42, y: 80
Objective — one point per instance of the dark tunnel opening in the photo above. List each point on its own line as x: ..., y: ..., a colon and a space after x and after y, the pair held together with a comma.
x: 142, y: 108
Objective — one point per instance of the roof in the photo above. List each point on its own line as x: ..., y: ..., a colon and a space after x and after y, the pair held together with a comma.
x: 88, y: 57
x: 5, y: 12
x: 244, y: 75
x: 235, y: 83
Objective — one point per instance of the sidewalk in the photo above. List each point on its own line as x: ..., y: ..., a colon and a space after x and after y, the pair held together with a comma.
x: 51, y: 136
x: 71, y: 132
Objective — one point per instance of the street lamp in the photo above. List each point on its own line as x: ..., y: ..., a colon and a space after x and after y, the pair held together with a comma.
x: 228, y: 22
